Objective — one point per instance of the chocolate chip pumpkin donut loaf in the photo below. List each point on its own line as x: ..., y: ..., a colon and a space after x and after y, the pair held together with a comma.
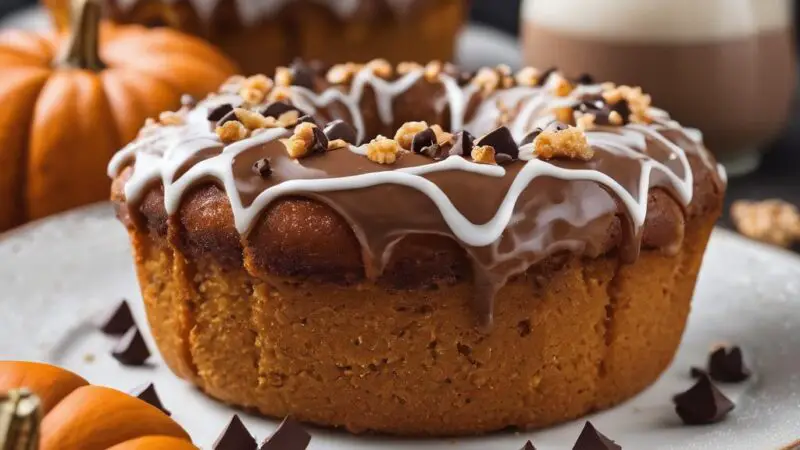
x: 413, y: 250
x: 263, y: 34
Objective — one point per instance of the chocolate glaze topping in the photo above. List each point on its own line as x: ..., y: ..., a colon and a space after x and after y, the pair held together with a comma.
x: 645, y: 179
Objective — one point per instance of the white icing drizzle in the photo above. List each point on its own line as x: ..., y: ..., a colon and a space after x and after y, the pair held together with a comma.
x: 180, y: 143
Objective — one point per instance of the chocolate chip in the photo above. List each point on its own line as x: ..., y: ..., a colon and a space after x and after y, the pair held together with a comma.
x: 503, y: 159
x: 188, y: 101
x: 289, y: 436
x: 696, y: 372
x: 422, y: 140
x: 147, y: 393
x: 118, y: 321
x: 302, y: 74
x: 528, y: 446
x: 591, y: 439
x: 502, y: 141
x: 275, y: 109
x: 219, y: 112
x: 235, y: 437
x: 544, y: 76
x: 320, y: 142
x: 584, y: 78
x: 131, y: 350
x: 623, y: 109
x: 727, y: 365
x: 262, y: 168
x: 306, y: 119
x: 339, y: 129
x: 530, y: 137
x: 463, y: 142
x: 227, y: 118
x: 702, y: 404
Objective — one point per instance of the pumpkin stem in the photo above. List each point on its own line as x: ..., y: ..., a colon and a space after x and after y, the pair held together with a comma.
x: 83, y: 46
x: 20, y: 416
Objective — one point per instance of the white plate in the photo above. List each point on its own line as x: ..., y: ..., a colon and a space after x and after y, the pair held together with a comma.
x: 58, y: 274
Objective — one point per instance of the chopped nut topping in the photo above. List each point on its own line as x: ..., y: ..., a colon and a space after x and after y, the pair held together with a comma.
x: 442, y: 137
x: 406, y: 133
x: 337, y: 144
x: 260, y: 82
x: 382, y: 150
x: 231, y: 131
x: 565, y: 114
x: 772, y: 221
x: 381, y: 68
x: 562, y: 87
x: 483, y: 154
x: 283, y: 76
x: 232, y: 85
x: 638, y: 102
x: 562, y: 143
x: 487, y: 80
x: 253, y: 120
x: 503, y: 69
x: 586, y: 121
x: 280, y: 94
x: 614, y: 118
x: 252, y: 96
x: 432, y: 70
x: 170, y: 118
x: 289, y: 118
x: 528, y: 77
x: 342, y: 73
x: 404, y: 68
x: 300, y: 143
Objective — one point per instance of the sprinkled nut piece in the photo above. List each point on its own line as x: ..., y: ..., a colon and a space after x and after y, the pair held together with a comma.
x: 586, y: 121
x: 404, y: 68
x: 405, y: 134
x: 170, y: 118
x: 253, y: 120
x: 566, y: 114
x: 383, y: 150
x: 255, y: 88
x: 529, y: 77
x: 342, y: 73
x: 432, y: 70
x: 289, y: 118
x: 232, y: 85
x: 562, y: 87
x: 442, y: 137
x: 637, y: 101
x: 614, y: 118
x: 483, y: 154
x: 487, y: 79
x: 772, y: 221
x: 337, y: 144
x: 231, y: 131
x: 381, y: 68
x: 280, y: 94
x: 283, y: 76
x: 562, y: 143
x: 307, y: 139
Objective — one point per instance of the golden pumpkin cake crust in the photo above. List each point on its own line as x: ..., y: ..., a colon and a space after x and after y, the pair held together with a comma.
x: 270, y: 290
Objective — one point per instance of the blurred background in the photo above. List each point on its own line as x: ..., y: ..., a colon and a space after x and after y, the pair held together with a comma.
x: 744, y: 97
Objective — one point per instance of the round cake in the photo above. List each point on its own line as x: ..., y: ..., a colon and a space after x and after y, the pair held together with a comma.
x: 416, y: 250
x: 261, y: 35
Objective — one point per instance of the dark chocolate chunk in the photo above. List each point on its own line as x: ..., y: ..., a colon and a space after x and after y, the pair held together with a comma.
x: 228, y: 117
x: 702, y: 404
x: 584, y: 78
x: 502, y: 141
x: 339, y: 129
x: 503, y: 159
x: 131, y: 350
x: 623, y: 109
x: 302, y: 74
x: 188, y: 101
x: 696, y: 372
x: 530, y: 137
x: 275, y: 109
x: 463, y: 142
x: 147, y: 393
x: 545, y: 76
x: 528, y: 446
x: 727, y: 365
x: 235, y: 437
x: 591, y: 439
x: 262, y: 168
x: 118, y: 321
x: 320, y: 142
x: 306, y: 119
x: 422, y: 140
x: 289, y: 436
x: 219, y: 112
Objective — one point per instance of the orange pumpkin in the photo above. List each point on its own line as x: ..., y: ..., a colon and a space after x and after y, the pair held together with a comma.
x: 69, y: 101
x: 79, y: 416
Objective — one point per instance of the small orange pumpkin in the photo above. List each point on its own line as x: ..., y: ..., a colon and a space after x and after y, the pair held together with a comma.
x: 69, y: 101
x: 79, y: 416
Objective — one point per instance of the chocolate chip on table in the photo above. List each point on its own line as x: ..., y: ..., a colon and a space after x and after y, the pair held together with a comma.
x: 147, y: 393
x: 235, y: 437
x: 219, y: 112
x: 702, y: 404
x: 118, y: 321
x: 262, y: 168
x: 591, y: 439
x: 290, y: 435
x: 501, y: 140
x: 727, y: 365
x: 131, y: 350
x: 339, y: 129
